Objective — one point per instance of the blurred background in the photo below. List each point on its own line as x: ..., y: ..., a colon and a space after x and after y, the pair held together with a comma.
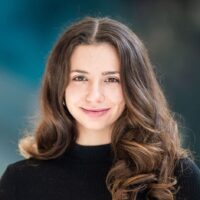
x: 28, y: 29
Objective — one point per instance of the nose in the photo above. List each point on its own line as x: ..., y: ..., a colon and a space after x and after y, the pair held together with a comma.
x: 94, y: 92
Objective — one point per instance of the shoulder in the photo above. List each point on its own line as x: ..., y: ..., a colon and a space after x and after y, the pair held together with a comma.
x: 30, y: 165
x: 12, y: 178
x: 187, y: 174
x: 27, y: 169
x: 187, y: 169
x: 14, y: 170
x: 24, y: 164
x: 19, y: 177
x: 23, y: 173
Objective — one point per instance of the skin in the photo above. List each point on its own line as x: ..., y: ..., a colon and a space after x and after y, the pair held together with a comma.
x: 92, y: 89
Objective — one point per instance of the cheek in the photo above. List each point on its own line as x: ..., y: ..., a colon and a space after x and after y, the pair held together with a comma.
x: 116, y: 95
x: 115, y: 92
x: 73, y: 94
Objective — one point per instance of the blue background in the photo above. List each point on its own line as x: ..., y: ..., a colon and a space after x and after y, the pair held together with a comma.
x: 28, y: 30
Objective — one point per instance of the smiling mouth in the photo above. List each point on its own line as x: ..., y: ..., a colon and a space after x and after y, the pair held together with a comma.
x: 95, y: 112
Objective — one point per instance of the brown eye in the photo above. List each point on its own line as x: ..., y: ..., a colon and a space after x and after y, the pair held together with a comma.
x: 79, y: 78
x: 112, y: 80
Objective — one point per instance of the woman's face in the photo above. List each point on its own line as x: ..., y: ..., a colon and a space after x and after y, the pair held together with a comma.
x: 94, y: 93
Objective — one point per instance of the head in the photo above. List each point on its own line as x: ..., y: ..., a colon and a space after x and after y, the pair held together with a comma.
x: 124, y: 52
x: 144, y: 135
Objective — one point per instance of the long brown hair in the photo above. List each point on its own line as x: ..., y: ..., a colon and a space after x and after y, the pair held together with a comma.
x: 145, y: 139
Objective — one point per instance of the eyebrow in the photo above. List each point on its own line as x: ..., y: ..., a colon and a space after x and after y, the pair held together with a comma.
x: 103, y: 73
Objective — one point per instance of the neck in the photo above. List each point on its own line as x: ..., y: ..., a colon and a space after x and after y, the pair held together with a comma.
x: 93, y: 137
x: 92, y: 140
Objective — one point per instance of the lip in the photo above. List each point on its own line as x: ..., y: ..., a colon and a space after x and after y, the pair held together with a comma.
x: 95, y: 112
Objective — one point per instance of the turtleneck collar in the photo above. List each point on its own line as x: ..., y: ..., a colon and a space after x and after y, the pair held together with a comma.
x: 94, y: 153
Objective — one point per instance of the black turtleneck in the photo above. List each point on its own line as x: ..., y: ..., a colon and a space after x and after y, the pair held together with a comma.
x: 79, y: 174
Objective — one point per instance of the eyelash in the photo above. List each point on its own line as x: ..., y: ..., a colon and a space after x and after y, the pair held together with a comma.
x: 82, y: 77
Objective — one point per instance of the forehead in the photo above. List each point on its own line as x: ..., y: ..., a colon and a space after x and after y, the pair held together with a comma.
x: 95, y: 57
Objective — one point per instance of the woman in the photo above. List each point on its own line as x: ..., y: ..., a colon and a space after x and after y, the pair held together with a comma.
x: 106, y: 130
